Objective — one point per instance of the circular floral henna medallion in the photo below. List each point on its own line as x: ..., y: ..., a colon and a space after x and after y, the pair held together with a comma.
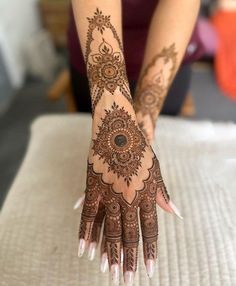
x: 147, y: 206
x: 114, y: 208
x: 130, y: 215
x: 108, y: 68
x: 120, y: 143
x: 151, y: 98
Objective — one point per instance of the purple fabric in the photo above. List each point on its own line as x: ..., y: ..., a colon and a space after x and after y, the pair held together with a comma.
x: 208, y: 36
x: 136, y: 19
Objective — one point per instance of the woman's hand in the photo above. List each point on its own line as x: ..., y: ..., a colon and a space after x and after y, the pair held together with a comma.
x: 123, y: 179
x: 123, y: 173
x: 152, y: 87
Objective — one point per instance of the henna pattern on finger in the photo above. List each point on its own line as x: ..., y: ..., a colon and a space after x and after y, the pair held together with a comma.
x: 154, y: 83
x: 120, y: 143
x: 97, y: 225
x: 90, y: 208
x: 161, y: 188
x: 121, y: 226
x: 105, y: 63
x: 148, y: 216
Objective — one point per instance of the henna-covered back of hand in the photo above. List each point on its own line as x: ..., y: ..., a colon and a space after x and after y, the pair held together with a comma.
x: 119, y: 185
x: 123, y: 173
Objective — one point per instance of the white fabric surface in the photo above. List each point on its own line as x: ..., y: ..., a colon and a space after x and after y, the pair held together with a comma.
x: 38, y: 227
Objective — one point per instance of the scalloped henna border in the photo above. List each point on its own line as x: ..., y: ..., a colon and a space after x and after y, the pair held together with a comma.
x: 120, y: 195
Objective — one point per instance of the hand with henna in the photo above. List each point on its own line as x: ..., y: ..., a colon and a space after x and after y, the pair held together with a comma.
x: 123, y: 179
x: 168, y: 36
x: 152, y: 88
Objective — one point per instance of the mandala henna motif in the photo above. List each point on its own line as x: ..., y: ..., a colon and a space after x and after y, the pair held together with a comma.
x: 121, y: 146
x: 105, y: 67
x: 155, y: 82
x: 120, y: 143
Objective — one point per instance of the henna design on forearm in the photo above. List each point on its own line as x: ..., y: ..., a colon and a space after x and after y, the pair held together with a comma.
x: 154, y: 83
x: 105, y: 62
x: 121, y: 220
x: 120, y: 143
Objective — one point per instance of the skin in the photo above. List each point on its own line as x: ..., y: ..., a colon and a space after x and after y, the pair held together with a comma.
x: 178, y: 18
x: 123, y: 173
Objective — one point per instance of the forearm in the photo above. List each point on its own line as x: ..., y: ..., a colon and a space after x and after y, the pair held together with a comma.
x: 100, y: 33
x: 169, y: 33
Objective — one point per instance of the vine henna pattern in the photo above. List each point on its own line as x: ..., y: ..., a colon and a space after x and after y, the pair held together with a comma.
x: 121, y: 228
x: 120, y: 143
x: 154, y: 84
x: 105, y: 66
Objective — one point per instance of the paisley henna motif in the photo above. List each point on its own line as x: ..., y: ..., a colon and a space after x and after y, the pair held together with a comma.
x: 120, y: 143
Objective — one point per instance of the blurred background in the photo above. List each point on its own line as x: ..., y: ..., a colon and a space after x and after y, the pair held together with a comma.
x: 35, y: 77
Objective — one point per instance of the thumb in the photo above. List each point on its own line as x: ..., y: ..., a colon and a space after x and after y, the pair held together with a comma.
x: 163, y: 200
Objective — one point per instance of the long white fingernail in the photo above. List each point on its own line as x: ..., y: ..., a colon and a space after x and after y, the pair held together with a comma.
x: 150, y: 267
x: 104, y: 263
x: 82, y: 244
x: 79, y: 202
x: 115, y: 274
x: 129, y: 278
x: 175, y: 209
x: 91, y: 251
x: 121, y: 256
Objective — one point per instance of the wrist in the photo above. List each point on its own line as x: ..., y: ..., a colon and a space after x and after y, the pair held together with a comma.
x: 106, y: 104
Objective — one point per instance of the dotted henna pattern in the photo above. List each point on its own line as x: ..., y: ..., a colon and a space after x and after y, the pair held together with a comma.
x: 120, y: 143
x: 105, y: 67
x: 121, y: 218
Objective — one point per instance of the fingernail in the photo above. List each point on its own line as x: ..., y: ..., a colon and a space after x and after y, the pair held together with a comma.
x: 150, y: 267
x: 175, y: 209
x: 121, y: 256
x: 115, y: 274
x: 91, y: 251
x: 81, y: 249
x: 104, y: 263
x: 79, y: 202
x: 129, y: 278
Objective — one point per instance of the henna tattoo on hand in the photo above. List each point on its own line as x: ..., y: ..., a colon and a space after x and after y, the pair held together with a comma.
x: 121, y: 217
x: 155, y: 82
x: 127, y: 179
x: 105, y: 64
x: 120, y: 143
